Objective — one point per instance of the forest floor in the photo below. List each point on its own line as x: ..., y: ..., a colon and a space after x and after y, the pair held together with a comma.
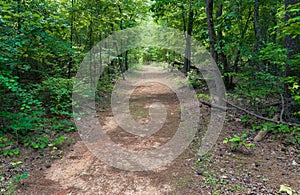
x: 257, y: 170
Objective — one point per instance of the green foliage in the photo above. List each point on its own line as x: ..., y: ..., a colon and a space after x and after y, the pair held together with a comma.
x: 33, y: 130
x: 294, y: 87
x: 25, y: 122
x: 275, y: 55
x: 201, y: 95
x: 195, y: 79
x: 256, y: 87
x: 6, y: 147
x: 17, y: 178
x: 292, y: 132
x: 58, y: 140
x: 37, y: 50
x: 291, y: 27
x: 61, y: 125
x: 56, y: 95
x: 238, y: 141
x: 15, y: 171
x: 8, y: 82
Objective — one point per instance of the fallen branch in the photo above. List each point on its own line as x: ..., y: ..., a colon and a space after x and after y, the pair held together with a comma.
x: 214, y: 105
x: 263, y: 118
x: 180, y: 64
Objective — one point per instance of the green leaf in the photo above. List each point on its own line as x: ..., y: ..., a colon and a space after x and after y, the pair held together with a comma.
x: 35, y: 145
x: 24, y: 175
x: 16, y: 151
x: 225, y: 141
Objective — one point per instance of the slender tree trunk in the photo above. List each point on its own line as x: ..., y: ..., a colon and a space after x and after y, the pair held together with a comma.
x: 70, y: 65
x: 121, y: 43
x: 183, y: 18
x: 19, y: 30
x: 187, y: 62
x: 19, y: 17
x: 238, y: 52
x: 257, y: 29
x: 91, y: 35
x: 211, y: 28
x: 221, y: 57
x: 258, y: 36
x: 91, y: 43
x: 126, y: 61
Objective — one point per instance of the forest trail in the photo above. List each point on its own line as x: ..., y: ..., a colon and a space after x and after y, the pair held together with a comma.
x: 262, y: 169
x: 80, y: 172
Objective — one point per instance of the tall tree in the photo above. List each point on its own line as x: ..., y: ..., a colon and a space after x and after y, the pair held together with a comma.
x: 257, y: 29
x: 187, y: 56
x: 221, y: 57
x: 211, y: 28
x: 70, y: 65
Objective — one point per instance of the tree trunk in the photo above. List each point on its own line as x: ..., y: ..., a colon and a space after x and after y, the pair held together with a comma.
x: 126, y: 61
x: 257, y: 29
x: 70, y: 65
x: 221, y: 57
x: 120, y: 60
x: 187, y: 58
x: 211, y: 28
x: 237, y: 55
x: 19, y: 17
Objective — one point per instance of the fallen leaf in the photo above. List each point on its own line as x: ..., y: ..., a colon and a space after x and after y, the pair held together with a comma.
x: 285, y: 189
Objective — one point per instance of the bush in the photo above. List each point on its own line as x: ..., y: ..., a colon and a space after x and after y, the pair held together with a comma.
x: 56, y: 93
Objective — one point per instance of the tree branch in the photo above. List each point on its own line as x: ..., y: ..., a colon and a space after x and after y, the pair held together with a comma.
x: 214, y: 105
x: 261, y: 117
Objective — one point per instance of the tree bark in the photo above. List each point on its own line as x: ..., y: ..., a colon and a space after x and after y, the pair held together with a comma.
x: 70, y: 65
x: 257, y: 29
x: 120, y: 60
x: 211, y: 28
x: 187, y: 58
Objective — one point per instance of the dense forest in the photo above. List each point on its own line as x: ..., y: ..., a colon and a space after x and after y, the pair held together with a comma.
x: 255, y: 44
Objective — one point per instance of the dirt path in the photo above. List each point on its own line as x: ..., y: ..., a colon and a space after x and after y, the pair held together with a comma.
x: 80, y: 172
x: 258, y: 170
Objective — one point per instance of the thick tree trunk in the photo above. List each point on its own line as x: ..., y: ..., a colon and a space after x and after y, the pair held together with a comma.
x: 211, y: 28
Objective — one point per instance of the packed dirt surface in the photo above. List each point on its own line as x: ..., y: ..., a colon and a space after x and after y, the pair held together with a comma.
x: 80, y: 172
x: 258, y: 170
